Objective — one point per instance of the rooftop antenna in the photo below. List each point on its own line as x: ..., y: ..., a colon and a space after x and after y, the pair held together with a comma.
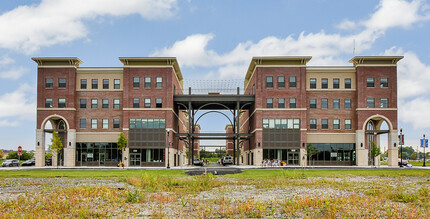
x: 353, y: 50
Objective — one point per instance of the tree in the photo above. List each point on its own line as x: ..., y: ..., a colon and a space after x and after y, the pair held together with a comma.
x: 374, y: 151
x: 1, y: 154
x: 122, y: 142
x: 57, y: 144
x: 25, y: 155
x: 311, y: 151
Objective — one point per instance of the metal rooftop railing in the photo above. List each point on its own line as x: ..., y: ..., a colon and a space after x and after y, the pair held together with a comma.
x: 213, y: 87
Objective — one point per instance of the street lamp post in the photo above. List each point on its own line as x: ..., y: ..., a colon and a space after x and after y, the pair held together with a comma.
x: 424, y: 145
x: 401, y: 147
x: 168, y: 150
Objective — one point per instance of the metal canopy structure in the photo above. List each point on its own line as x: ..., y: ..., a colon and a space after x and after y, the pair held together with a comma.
x: 214, y: 102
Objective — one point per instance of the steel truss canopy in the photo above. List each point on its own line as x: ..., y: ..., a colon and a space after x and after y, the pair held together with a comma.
x: 215, y: 101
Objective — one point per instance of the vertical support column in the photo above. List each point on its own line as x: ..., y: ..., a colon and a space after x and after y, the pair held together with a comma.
x: 237, y: 132
x: 40, y: 148
x: 362, y: 154
x: 192, y: 136
x: 70, y: 151
x: 393, y: 149
x: 189, y: 132
x: 234, y: 137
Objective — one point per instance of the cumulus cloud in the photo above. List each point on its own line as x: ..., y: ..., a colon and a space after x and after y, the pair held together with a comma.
x: 5, y: 60
x: 52, y: 21
x: 20, y: 104
x: 14, y: 73
x: 7, y: 123
x: 347, y: 25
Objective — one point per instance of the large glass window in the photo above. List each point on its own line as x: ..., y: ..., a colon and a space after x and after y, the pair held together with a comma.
x: 313, y: 124
x: 384, y: 102
x: 384, y: 82
x: 115, y: 123
x: 94, y: 84
x: 281, y: 81
x: 61, y: 102
x: 313, y: 83
x: 336, y: 124
x: 324, y: 123
x: 269, y: 82
x: 324, y: 103
x: 370, y: 82
x: 105, y: 83
x: 116, y: 103
x: 94, y: 103
x: 105, y: 123
x: 117, y: 84
x: 347, y: 123
x: 48, y: 103
x: 158, y: 103
x: 105, y: 103
x: 292, y: 81
x: 159, y: 82
x: 147, y: 123
x: 370, y: 102
x: 333, y: 152
x: 292, y: 102
x: 336, y: 103
x: 136, y: 82
x: 269, y: 103
x: 347, y: 103
x: 313, y: 103
x: 49, y: 83
x: 324, y: 83
x: 147, y: 82
x: 147, y: 102
x: 136, y: 103
x: 336, y: 83
x: 97, y: 154
x: 281, y: 123
x: 281, y: 103
x: 83, y: 103
x: 83, y: 83
x: 83, y: 123
x: 61, y: 83
x: 347, y: 83
x: 94, y: 123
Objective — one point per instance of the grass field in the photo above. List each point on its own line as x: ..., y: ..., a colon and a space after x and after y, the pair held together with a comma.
x: 253, y: 193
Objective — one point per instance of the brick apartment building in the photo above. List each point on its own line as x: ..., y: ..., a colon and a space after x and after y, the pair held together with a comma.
x: 336, y: 111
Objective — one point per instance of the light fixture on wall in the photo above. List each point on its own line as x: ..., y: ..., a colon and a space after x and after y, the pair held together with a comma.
x: 395, y: 145
x: 38, y: 143
x: 70, y: 143
x: 361, y: 144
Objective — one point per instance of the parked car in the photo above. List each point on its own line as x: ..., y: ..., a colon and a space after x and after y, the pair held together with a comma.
x: 48, y: 162
x: 198, y: 162
x: 403, y: 162
x: 227, y: 160
x: 30, y: 162
x: 10, y: 163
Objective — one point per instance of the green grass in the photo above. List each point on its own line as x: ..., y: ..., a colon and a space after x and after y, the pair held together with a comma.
x: 89, y: 173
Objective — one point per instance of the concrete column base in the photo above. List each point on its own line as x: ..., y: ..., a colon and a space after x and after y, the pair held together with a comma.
x: 303, y: 157
x: 126, y: 157
x: 393, y: 159
x: 258, y: 156
x: 69, y: 156
x: 40, y: 148
x: 362, y: 157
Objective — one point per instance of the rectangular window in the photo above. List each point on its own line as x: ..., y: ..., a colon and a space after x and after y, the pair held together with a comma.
x: 147, y: 82
x: 281, y: 103
x: 49, y: 83
x: 324, y: 123
x: 105, y: 83
x: 281, y: 123
x: 384, y: 82
x: 370, y: 82
x: 48, y: 103
x: 292, y: 81
x: 336, y: 83
x: 336, y: 103
x: 324, y: 103
x: 136, y: 103
x: 158, y: 103
x: 116, y: 123
x: 292, y: 102
x: 116, y: 103
x: 83, y: 103
x: 105, y: 103
x: 269, y: 103
x: 324, y: 83
x: 370, y: 102
x: 83, y: 83
x: 347, y: 82
x: 269, y: 82
x: 147, y: 103
x: 281, y: 82
x: 94, y: 103
x: 105, y: 123
x: 347, y: 103
x: 336, y: 124
x: 116, y: 84
x: 313, y: 103
x: 313, y: 82
x: 94, y: 84
x: 83, y: 123
x: 313, y: 124
x: 384, y: 102
x: 347, y: 124
x: 94, y: 123
x: 61, y: 83
x: 159, y: 82
x: 61, y: 103
x: 136, y: 82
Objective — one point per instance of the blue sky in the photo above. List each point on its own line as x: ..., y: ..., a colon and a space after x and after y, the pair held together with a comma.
x: 211, y: 40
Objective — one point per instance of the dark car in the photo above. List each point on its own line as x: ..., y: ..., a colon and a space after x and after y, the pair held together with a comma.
x: 30, y: 162
x: 10, y: 163
x: 48, y: 162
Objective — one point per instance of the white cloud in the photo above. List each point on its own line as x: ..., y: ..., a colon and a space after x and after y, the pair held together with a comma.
x: 415, y: 112
x: 347, y: 25
x: 5, y: 60
x: 7, y: 123
x: 52, y: 21
x: 20, y: 103
x: 14, y: 73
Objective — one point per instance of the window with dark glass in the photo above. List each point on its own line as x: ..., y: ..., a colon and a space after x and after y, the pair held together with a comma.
x: 61, y: 103
x: 281, y: 81
x: 336, y: 124
x: 83, y: 103
x: 105, y: 83
x: 136, y: 103
x: 94, y: 123
x: 48, y: 103
x: 105, y: 123
x: 281, y: 103
x: 136, y: 82
x: 147, y: 103
x: 105, y: 103
x: 116, y: 84
x: 116, y: 103
x: 324, y: 83
x: 292, y: 81
x: 292, y: 102
x: 94, y: 84
x: 281, y: 123
x: 269, y: 103
x: 370, y: 102
x: 384, y: 102
x: 253, y: 89
x: 324, y: 123
x: 347, y: 124
x: 384, y: 82
x: 347, y: 103
x: 269, y: 82
x: 370, y: 82
x: 313, y: 83
x: 61, y: 83
x: 336, y: 103
x: 159, y: 82
x: 336, y: 83
x: 83, y: 123
x: 313, y: 124
x: 158, y: 103
x: 83, y: 83
x: 147, y: 82
x: 347, y: 82
x: 94, y: 103
x: 49, y: 83
x: 324, y: 103
x: 116, y: 123
x: 313, y: 103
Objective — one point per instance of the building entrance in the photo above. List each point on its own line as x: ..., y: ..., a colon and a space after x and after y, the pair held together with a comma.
x: 135, y: 159
x: 293, y: 158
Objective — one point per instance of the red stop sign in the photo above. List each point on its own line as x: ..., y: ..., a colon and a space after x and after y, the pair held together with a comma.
x: 19, y: 149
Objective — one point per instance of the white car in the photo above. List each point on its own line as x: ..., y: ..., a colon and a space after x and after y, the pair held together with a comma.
x: 227, y: 160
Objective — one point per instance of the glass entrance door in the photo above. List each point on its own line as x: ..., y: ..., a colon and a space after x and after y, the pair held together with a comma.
x: 101, y: 159
x: 135, y: 159
x: 293, y: 158
x: 83, y: 159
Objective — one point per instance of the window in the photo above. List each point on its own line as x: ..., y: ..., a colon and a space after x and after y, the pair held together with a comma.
x: 370, y: 102
x: 292, y: 102
x: 347, y: 82
x: 61, y: 83
x: 49, y: 83
x: 94, y: 123
x: 105, y: 103
x: 116, y: 123
x: 105, y: 123
x: 281, y: 103
x: 136, y: 82
x: 313, y: 82
x: 94, y: 84
x: 83, y: 103
x: 384, y: 102
x: 147, y: 123
x: 336, y: 124
x: 281, y: 123
x: 324, y: 83
x: 324, y: 103
x: 347, y: 124
x: 136, y: 103
x: 158, y: 103
x: 253, y: 89
x: 147, y: 103
x: 147, y: 82
x: 292, y: 81
x: 370, y: 82
x: 61, y: 103
x: 83, y: 83
x: 313, y: 124
x: 347, y: 103
x: 94, y: 103
x: 269, y: 82
x: 336, y: 103
x: 116, y: 84
x: 313, y: 103
x: 48, y: 103
x: 324, y: 123
x: 384, y: 82
x: 105, y: 83
x: 269, y: 103
x: 281, y: 81
x: 159, y: 82
x: 83, y: 123
x: 116, y: 103
x: 336, y: 83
